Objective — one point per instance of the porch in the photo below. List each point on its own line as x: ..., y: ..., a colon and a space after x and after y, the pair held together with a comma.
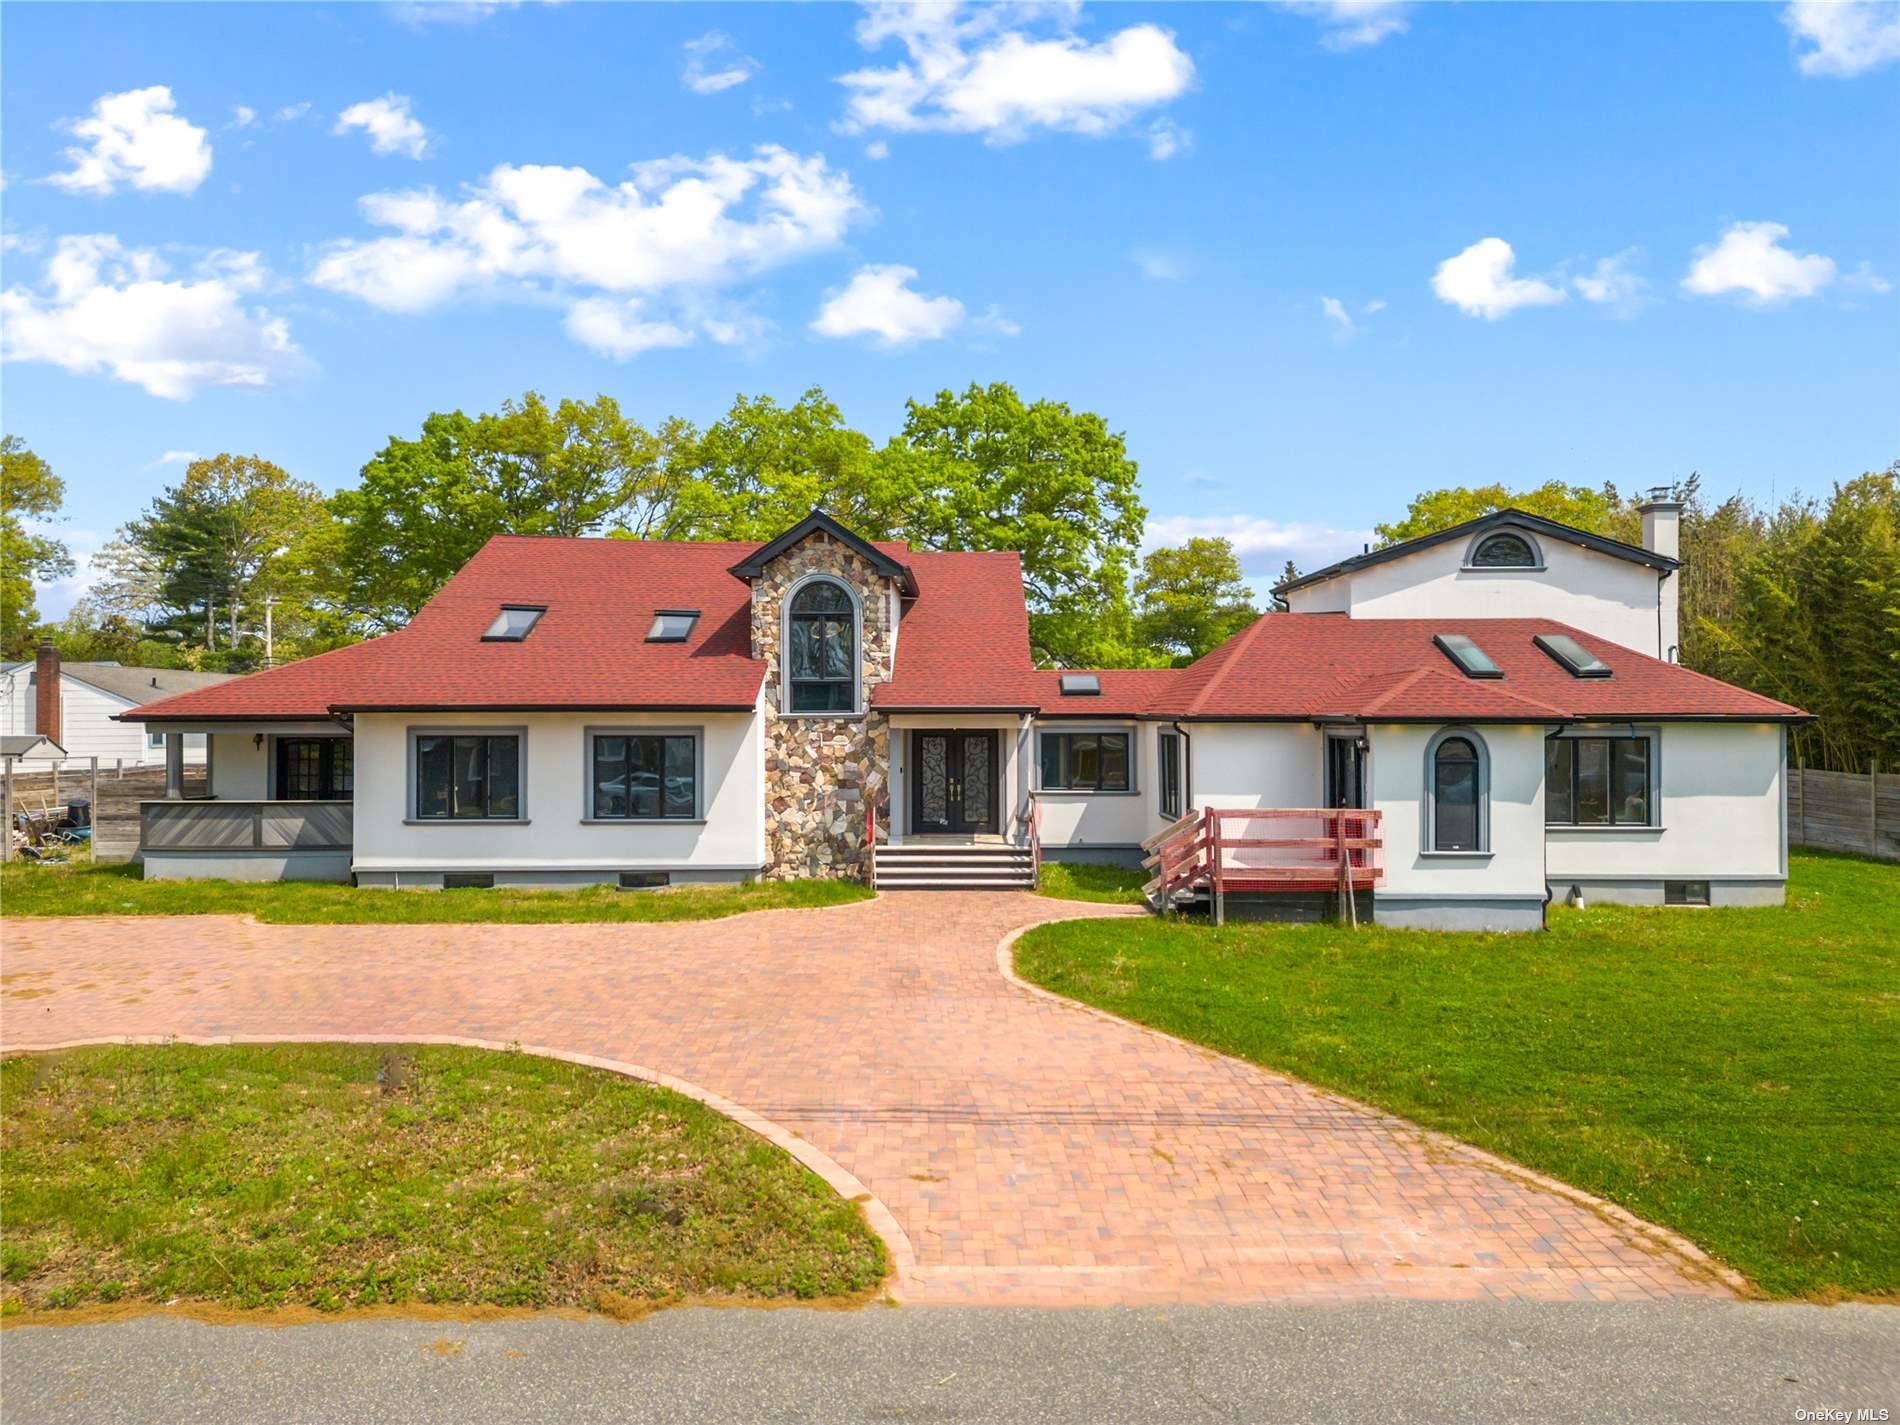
x: 1295, y: 863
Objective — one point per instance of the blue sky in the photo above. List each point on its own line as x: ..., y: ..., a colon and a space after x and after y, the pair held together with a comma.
x: 1310, y: 258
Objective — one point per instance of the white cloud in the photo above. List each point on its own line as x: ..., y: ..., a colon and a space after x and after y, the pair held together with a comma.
x: 174, y: 457
x: 1843, y: 37
x: 968, y: 71
x: 290, y: 113
x: 680, y: 229
x: 1865, y: 279
x: 879, y: 302
x: 1610, y: 282
x: 389, y: 124
x: 420, y: 14
x: 243, y: 116
x: 1751, y: 259
x: 105, y: 307
x: 135, y: 138
x: 1479, y: 282
x: 1167, y: 138
x: 713, y: 65
x: 1376, y: 305
x: 1336, y: 313
x: 1355, y: 24
x: 1262, y: 545
x: 877, y: 149
x: 1158, y: 265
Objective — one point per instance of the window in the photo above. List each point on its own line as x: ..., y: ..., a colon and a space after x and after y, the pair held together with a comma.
x: 1598, y: 781
x: 644, y: 880
x: 1472, y: 660
x: 155, y: 740
x: 468, y: 777
x: 643, y: 776
x: 513, y: 623
x: 314, y: 769
x: 1685, y: 892
x: 1504, y: 551
x: 822, y: 648
x: 1085, y: 761
x: 1457, y: 795
x: 1580, y: 661
x: 1169, y: 773
x: 1080, y: 685
x: 469, y: 881
x: 672, y: 625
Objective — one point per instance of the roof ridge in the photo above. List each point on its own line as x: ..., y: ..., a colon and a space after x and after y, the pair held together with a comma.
x: 1239, y: 645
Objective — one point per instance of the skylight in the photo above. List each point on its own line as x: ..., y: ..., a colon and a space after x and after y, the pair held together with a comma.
x: 1580, y: 661
x: 672, y: 625
x: 514, y: 621
x: 1472, y: 660
x: 1081, y: 685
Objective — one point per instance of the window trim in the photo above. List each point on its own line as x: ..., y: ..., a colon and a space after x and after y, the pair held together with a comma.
x: 538, y: 610
x: 1428, y: 841
x: 590, y: 732
x: 1485, y: 536
x: 519, y: 732
x: 1133, y: 789
x: 1162, y: 763
x: 654, y: 635
x: 1624, y: 732
x: 856, y: 710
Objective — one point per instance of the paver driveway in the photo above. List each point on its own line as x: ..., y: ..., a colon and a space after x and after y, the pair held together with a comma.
x: 1029, y: 1150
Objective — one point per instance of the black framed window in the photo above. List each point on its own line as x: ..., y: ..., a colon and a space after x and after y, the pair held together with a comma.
x: 1457, y: 790
x: 821, y: 631
x: 1085, y: 761
x: 1504, y: 551
x: 1168, y: 745
x: 468, y: 777
x: 1598, y: 781
x: 644, y: 776
x: 315, y: 769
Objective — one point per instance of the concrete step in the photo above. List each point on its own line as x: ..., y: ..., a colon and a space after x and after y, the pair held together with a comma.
x: 938, y: 883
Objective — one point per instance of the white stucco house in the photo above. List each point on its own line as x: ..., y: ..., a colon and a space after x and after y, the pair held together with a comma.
x: 75, y: 707
x: 1496, y: 707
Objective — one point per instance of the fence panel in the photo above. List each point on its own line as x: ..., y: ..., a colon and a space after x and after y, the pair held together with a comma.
x: 1845, y: 811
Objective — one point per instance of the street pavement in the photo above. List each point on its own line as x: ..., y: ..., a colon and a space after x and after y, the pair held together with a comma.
x: 1395, y: 1361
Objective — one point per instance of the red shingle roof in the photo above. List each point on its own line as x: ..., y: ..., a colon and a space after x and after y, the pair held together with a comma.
x: 964, y: 641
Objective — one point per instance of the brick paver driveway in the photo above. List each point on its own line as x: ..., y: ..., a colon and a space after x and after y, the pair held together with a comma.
x: 1027, y: 1150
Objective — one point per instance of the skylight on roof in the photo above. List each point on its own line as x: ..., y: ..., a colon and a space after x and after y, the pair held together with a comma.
x: 672, y: 625
x: 513, y: 623
x: 1081, y: 685
x: 1580, y: 661
x: 1472, y: 660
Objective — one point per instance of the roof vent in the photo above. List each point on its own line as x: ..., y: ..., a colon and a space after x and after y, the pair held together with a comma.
x: 1081, y: 685
x: 672, y: 625
x: 1472, y: 660
x: 1578, y: 660
x: 513, y: 623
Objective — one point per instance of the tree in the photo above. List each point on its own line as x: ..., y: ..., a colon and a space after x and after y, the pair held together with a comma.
x: 1598, y: 511
x: 29, y: 490
x: 1190, y: 599
x: 1287, y: 576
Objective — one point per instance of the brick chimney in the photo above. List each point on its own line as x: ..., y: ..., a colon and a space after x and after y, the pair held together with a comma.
x: 46, y: 693
x: 1662, y: 534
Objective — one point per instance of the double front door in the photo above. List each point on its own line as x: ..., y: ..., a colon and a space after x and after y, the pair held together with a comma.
x: 953, y: 784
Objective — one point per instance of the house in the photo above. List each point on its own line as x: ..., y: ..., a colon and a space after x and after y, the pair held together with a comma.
x: 75, y: 707
x: 637, y: 713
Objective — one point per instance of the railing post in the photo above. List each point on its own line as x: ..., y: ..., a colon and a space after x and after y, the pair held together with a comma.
x: 1214, y: 845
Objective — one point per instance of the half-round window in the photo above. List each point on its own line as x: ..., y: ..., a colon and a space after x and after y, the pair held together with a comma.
x: 1504, y: 551
x: 822, y: 648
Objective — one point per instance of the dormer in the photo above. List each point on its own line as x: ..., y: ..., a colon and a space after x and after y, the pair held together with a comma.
x: 826, y: 604
x: 1508, y: 564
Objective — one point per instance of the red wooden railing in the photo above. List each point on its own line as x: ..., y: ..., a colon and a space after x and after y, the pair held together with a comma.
x: 1225, y: 849
x: 870, y: 843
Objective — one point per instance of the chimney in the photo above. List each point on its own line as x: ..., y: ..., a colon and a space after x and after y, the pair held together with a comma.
x: 1662, y: 534
x: 46, y: 693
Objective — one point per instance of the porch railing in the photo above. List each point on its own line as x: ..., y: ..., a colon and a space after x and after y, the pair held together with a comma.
x: 1270, y: 849
x: 245, y: 826
x: 1029, y: 823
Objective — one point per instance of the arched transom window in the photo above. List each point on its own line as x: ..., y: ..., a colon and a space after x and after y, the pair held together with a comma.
x: 1458, y: 791
x: 1504, y: 550
x: 821, y: 653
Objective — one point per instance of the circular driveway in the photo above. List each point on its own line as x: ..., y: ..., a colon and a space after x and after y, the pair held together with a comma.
x: 1016, y: 1148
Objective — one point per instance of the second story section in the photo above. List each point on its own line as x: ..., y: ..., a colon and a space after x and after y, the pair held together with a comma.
x: 1512, y: 564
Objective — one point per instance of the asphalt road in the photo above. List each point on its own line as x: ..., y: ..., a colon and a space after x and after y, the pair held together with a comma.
x: 1387, y: 1362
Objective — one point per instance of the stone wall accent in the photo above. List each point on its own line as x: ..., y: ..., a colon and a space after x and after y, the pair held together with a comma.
x: 820, y: 771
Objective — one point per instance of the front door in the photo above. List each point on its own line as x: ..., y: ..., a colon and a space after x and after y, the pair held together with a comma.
x: 953, y: 782
x: 1345, y: 771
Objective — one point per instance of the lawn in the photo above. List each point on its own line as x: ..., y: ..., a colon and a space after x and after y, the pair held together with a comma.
x: 82, y: 888
x: 1078, y: 881
x: 288, y: 1174
x: 1733, y: 1074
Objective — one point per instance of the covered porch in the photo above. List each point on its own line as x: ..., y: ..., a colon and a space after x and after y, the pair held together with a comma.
x: 278, y: 804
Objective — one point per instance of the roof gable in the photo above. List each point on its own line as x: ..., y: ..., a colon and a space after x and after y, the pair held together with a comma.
x: 818, y: 522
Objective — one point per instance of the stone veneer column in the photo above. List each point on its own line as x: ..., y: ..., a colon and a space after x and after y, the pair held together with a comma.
x: 820, y: 771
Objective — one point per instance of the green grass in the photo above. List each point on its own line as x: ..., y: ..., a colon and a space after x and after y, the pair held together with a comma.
x: 1733, y: 1074
x: 82, y: 888
x: 1075, y: 881
x: 265, y: 1176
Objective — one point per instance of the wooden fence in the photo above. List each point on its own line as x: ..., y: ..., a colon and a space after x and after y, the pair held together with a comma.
x: 115, y: 789
x: 1845, y: 811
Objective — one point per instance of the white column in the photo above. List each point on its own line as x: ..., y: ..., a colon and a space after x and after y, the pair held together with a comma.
x: 174, y: 766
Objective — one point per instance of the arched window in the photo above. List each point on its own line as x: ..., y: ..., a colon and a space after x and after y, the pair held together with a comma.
x: 1457, y: 809
x: 821, y: 648
x: 1504, y: 550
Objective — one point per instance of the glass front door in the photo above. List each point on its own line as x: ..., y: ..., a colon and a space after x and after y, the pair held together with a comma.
x: 1345, y: 772
x: 954, y: 782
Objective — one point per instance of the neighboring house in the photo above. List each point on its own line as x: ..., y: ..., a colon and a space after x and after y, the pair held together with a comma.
x: 29, y: 744
x: 590, y: 710
x: 75, y: 706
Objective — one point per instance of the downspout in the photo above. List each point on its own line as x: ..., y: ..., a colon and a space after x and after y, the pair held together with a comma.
x: 1669, y: 654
